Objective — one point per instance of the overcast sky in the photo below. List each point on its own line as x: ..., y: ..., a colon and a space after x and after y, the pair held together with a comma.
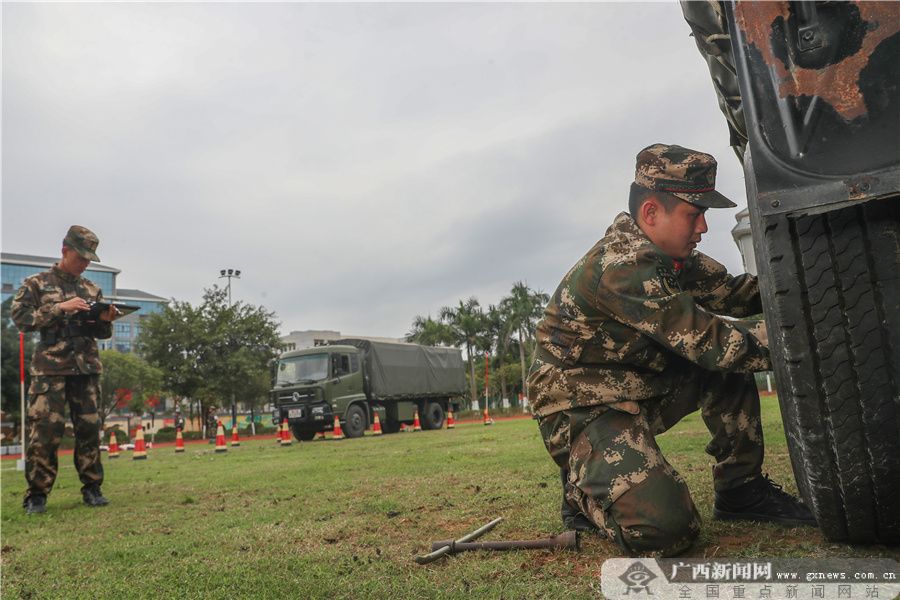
x: 359, y: 163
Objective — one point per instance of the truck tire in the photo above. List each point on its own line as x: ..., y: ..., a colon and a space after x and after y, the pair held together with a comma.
x: 433, y: 416
x: 355, y: 421
x: 831, y: 291
x: 302, y: 434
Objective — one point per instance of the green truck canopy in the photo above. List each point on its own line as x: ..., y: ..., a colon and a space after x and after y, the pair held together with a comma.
x: 410, y: 370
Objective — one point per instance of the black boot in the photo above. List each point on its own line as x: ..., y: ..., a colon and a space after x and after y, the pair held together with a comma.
x: 572, y: 518
x: 763, y: 500
x: 35, y: 504
x: 93, y: 496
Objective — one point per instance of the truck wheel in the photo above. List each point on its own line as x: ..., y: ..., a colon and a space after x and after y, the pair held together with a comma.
x: 832, y: 300
x: 355, y: 421
x: 433, y: 416
x: 302, y: 434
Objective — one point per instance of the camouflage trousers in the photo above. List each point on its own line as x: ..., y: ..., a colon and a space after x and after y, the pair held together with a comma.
x: 45, y: 423
x: 618, y: 477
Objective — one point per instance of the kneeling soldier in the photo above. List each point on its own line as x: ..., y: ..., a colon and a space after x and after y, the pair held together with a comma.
x: 631, y: 342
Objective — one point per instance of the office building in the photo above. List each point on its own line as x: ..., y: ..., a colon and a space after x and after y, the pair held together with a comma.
x: 310, y: 338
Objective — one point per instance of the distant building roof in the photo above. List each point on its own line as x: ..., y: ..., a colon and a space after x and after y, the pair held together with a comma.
x: 316, y: 337
x: 138, y: 295
x: 47, y: 261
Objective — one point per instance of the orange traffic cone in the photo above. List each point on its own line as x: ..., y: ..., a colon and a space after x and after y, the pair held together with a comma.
x: 113, y: 445
x: 416, y: 425
x: 235, y: 441
x: 451, y: 424
x: 337, y: 433
x: 285, y: 434
x: 140, y: 449
x: 179, y: 441
x: 220, y: 438
x: 487, y: 417
x: 376, y: 428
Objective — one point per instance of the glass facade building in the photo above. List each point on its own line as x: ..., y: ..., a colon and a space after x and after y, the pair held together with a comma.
x: 16, y: 267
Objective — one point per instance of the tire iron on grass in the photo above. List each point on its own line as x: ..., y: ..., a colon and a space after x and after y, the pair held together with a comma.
x: 566, y: 540
x: 436, y: 554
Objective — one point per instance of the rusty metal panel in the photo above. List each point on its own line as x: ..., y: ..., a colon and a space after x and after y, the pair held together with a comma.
x: 820, y: 83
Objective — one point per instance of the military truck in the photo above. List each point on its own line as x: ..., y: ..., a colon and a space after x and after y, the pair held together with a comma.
x: 811, y: 94
x: 356, y: 379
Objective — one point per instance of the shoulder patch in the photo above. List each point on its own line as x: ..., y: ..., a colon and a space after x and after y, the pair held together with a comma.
x: 668, y: 280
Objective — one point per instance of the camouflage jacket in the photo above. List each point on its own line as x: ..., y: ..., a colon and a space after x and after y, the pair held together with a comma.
x: 36, y: 308
x: 622, y: 324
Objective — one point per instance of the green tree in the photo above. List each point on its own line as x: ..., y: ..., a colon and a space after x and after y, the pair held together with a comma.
x: 174, y: 341
x: 245, y: 339
x: 523, y: 308
x: 9, y: 346
x: 509, y: 374
x: 126, y: 375
x: 429, y: 332
x: 466, y: 321
x: 490, y: 342
x: 213, y: 350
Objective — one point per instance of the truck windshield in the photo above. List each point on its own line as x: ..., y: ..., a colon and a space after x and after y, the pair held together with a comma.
x: 303, y: 369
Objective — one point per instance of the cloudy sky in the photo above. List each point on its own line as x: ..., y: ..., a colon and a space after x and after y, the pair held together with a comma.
x: 360, y: 163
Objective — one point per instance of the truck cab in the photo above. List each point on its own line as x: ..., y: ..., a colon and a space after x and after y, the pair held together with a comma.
x: 314, y: 384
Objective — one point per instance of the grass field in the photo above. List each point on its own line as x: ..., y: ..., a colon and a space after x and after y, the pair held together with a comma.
x: 345, y: 519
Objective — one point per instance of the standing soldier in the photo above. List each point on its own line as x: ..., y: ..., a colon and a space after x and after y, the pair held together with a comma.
x: 65, y: 369
x: 212, y: 423
x: 631, y: 342
x: 179, y: 419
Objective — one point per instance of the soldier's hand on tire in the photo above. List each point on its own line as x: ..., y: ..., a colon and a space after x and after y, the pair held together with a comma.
x: 74, y: 305
x: 761, y: 333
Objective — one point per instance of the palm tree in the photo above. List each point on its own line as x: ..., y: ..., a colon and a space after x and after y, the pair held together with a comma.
x: 429, y: 332
x: 492, y: 334
x: 502, y: 327
x: 466, y: 321
x: 524, y: 307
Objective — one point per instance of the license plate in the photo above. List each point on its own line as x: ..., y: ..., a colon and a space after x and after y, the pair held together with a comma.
x: 295, y: 413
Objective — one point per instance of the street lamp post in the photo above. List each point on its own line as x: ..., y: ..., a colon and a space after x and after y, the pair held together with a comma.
x: 228, y: 274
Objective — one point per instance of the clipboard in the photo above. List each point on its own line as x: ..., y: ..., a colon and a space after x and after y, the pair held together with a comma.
x: 98, y: 308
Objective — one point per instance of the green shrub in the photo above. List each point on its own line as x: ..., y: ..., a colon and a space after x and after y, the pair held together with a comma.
x: 165, y: 434
x: 122, y: 436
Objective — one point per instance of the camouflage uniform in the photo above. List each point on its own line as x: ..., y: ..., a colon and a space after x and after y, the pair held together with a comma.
x: 65, y: 369
x: 631, y: 342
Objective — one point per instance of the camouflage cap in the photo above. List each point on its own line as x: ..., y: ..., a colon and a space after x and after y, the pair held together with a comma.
x: 684, y: 173
x: 83, y: 241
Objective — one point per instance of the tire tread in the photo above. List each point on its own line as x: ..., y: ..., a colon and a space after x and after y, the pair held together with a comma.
x: 836, y: 310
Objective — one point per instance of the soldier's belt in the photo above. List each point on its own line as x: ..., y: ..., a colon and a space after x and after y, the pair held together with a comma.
x: 52, y: 335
